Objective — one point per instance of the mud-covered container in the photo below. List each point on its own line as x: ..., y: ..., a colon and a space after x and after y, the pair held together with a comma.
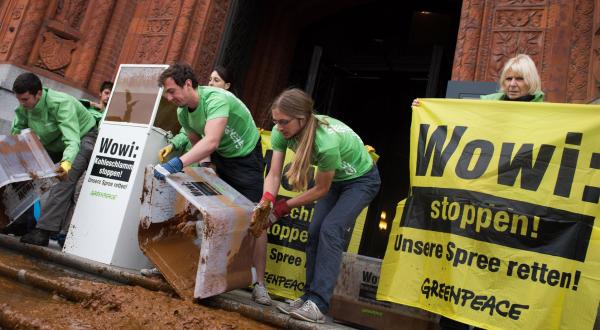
x: 194, y: 228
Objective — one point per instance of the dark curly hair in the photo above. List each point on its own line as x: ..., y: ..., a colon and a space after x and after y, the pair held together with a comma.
x: 27, y: 82
x: 179, y: 72
x: 107, y: 84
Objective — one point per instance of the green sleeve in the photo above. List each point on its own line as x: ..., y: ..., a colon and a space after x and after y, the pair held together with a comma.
x: 19, y: 123
x: 183, y: 120
x: 217, y: 107
x: 95, y: 112
x: 493, y: 96
x: 329, y: 159
x: 180, y: 140
x: 68, y: 124
x: 278, y: 142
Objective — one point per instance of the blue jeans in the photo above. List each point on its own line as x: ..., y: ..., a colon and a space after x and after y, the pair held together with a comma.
x: 330, y: 231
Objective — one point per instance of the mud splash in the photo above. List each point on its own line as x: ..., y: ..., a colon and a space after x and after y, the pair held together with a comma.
x: 104, y: 306
x: 174, y: 252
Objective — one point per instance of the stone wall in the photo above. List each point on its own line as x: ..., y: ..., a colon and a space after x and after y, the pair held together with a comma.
x: 77, y: 44
x: 560, y: 35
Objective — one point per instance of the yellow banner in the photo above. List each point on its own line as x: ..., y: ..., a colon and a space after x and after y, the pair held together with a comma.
x: 500, y: 229
x: 286, y: 260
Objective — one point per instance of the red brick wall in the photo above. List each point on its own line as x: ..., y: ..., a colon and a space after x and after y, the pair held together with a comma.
x: 82, y: 42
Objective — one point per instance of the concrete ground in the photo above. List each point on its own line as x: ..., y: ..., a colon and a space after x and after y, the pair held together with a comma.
x: 241, y: 301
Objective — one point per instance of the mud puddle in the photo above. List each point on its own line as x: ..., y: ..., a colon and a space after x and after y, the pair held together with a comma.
x: 104, y: 305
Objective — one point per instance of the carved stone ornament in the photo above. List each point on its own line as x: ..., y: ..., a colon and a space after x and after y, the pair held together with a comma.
x: 521, y: 2
x: 55, y: 52
x: 71, y: 12
x: 517, y: 19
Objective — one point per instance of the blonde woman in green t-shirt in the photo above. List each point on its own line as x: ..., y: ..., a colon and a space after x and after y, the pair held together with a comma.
x: 346, y: 181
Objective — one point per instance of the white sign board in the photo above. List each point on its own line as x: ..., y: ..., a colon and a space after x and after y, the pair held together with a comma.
x: 105, y: 222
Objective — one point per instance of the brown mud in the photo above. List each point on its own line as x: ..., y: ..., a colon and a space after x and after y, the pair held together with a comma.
x: 260, y: 218
x: 172, y: 252
x: 101, y: 306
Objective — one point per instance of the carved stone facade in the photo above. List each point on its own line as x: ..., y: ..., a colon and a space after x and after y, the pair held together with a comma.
x: 560, y: 36
x: 82, y: 42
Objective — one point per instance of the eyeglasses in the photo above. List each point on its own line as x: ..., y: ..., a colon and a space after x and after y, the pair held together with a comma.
x: 282, y: 122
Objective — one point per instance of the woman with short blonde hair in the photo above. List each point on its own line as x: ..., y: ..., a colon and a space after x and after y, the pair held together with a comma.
x: 519, y: 81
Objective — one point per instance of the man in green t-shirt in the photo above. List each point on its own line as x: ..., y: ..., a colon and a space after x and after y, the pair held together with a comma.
x: 68, y: 132
x: 218, y: 125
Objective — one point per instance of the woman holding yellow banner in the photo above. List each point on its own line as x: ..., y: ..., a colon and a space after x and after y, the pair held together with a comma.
x: 519, y: 81
x: 346, y: 181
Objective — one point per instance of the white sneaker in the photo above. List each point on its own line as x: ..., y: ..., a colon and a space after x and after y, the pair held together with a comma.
x: 260, y: 295
x: 291, y: 306
x: 150, y: 272
x: 308, y: 312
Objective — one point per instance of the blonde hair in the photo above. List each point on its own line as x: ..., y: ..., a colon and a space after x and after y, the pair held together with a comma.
x: 522, y: 65
x: 297, y: 104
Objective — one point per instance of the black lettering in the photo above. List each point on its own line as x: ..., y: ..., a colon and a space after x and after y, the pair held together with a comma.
x: 501, y: 312
x: 434, y: 287
x: 477, y: 302
x: 418, y: 250
x: 531, y: 174
x: 425, y: 287
x: 105, y: 145
x: 455, y: 295
x: 489, y: 303
x: 398, y: 242
x: 566, y: 173
x: 450, y: 254
x: 483, y: 161
x: 591, y: 194
x: 515, y: 311
x: 436, y: 142
x: 132, y: 147
x: 467, y: 295
x: 123, y: 149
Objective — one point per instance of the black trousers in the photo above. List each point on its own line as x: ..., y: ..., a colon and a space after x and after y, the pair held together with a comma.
x: 244, y: 174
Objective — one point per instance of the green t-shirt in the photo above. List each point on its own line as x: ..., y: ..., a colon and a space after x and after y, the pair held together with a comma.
x: 336, y: 147
x: 95, y: 112
x: 59, y: 120
x: 537, y: 97
x: 181, y: 142
x: 240, y: 135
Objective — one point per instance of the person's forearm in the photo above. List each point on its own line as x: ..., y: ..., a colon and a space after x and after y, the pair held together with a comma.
x: 199, y: 151
x: 271, y: 184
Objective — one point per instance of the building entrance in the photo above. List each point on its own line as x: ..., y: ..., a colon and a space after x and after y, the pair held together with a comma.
x: 363, y: 62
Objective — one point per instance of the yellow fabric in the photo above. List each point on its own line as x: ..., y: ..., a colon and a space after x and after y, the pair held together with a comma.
x: 164, y: 152
x: 372, y: 153
x: 66, y: 165
x: 502, y: 208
